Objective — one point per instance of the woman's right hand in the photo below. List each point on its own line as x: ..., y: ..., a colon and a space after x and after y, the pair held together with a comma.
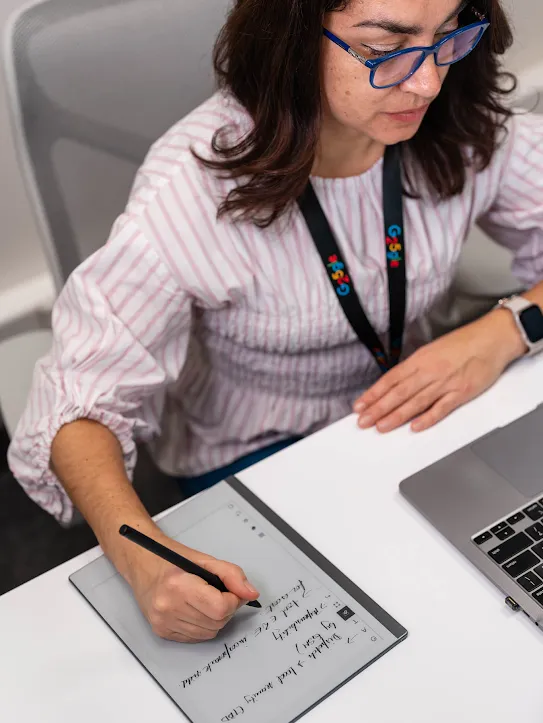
x: 180, y: 606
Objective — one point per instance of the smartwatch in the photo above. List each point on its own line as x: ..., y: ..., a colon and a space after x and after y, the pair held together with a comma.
x: 529, y: 320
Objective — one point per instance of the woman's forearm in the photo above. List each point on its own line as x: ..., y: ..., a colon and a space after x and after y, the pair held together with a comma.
x: 87, y: 459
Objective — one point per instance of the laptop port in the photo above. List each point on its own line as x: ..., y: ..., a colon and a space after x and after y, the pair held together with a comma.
x: 515, y: 607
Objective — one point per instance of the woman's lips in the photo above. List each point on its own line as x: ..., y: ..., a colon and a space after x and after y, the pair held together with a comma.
x: 409, y: 116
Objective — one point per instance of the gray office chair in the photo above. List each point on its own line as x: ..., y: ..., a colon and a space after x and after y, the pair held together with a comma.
x: 91, y: 84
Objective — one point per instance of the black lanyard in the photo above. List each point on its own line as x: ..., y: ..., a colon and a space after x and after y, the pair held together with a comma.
x: 338, y: 272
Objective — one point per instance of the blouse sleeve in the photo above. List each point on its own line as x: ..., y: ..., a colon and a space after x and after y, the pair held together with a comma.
x: 514, y: 214
x: 121, y: 329
x: 122, y: 324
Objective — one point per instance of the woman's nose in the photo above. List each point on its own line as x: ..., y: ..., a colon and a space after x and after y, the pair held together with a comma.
x: 427, y: 80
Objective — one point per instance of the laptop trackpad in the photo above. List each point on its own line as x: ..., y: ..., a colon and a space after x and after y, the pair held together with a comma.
x: 516, y: 453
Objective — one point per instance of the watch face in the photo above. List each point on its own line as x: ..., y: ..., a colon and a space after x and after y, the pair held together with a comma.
x: 532, y: 321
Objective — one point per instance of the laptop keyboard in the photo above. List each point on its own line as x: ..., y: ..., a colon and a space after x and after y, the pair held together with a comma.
x: 515, y: 543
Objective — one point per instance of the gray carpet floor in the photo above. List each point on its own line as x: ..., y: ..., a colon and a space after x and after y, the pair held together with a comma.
x: 31, y: 542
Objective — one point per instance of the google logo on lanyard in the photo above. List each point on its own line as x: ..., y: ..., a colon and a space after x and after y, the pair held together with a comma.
x: 338, y: 275
x: 394, y: 247
x: 337, y: 270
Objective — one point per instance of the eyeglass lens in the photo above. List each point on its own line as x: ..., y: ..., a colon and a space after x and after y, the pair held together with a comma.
x: 398, y: 69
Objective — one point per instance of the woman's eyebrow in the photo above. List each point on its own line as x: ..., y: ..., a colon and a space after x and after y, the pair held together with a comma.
x: 396, y: 28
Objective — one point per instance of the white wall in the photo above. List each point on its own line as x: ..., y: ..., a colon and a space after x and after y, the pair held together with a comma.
x: 527, y: 18
x: 21, y: 255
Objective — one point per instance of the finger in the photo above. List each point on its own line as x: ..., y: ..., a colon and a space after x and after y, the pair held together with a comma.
x: 179, y: 637
x: 181, y: 589
x: 441, y: 409
x: 194, y: 632
x: 208, y: 601
x: 171, y: 629
x: 194, y: 616
x: 387, y: 381
x: 411, y: 409
x: 394, y: 398
x: 233, y: 577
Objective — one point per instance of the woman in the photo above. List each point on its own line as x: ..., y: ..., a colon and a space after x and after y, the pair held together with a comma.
x: 208, y: 324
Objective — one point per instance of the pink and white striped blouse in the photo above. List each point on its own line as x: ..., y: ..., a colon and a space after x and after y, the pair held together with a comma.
x: 210, y: 338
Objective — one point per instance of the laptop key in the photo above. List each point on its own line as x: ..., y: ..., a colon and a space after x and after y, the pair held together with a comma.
x: 498, y: 527
x: 505, y: 533
x: 530, y: 581
x: 538, y: 596
x: 483, y: 537
x: 510, y: 547
x: 539, y: 571
x: 538, y: 549
x: 521, y: 563
x: 534, y: 512
x: 535, y: 531
x: 515, y: 519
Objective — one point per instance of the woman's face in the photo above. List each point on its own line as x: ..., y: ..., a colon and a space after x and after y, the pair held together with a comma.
x: 372, y: 28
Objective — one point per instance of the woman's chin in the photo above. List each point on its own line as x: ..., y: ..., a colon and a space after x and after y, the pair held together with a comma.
x: 394, y: 130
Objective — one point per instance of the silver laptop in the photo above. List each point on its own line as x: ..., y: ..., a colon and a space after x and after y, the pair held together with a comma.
x: 487, y: 499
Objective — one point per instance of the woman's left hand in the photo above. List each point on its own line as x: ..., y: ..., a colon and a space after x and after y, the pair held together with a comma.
x: 442, y: 375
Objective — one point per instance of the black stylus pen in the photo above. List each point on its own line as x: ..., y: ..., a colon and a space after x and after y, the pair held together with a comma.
x: 178, y: 560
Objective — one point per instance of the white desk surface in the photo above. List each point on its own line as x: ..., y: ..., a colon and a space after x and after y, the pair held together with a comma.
x: 467, y: 658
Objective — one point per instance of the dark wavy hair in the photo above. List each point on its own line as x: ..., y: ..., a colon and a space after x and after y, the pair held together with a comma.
x: 268, y: 56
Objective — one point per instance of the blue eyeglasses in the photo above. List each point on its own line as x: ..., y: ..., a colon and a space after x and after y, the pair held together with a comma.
x: 395, y: 68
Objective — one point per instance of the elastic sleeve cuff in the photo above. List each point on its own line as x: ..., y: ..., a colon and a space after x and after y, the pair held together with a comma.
x: 41, y: 484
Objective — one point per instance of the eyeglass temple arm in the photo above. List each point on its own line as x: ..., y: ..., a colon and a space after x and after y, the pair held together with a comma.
x: 478, y: 15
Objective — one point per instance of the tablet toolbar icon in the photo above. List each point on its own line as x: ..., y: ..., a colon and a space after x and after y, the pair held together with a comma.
x: 345, y: 613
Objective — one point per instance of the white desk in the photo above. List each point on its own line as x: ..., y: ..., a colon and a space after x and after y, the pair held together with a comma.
x: 468, y: 658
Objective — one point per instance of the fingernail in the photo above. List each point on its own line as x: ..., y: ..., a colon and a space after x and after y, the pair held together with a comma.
x: 251, y: 589
x: 365, y: 421
x: 384, y: 426
x: 359, y: 406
